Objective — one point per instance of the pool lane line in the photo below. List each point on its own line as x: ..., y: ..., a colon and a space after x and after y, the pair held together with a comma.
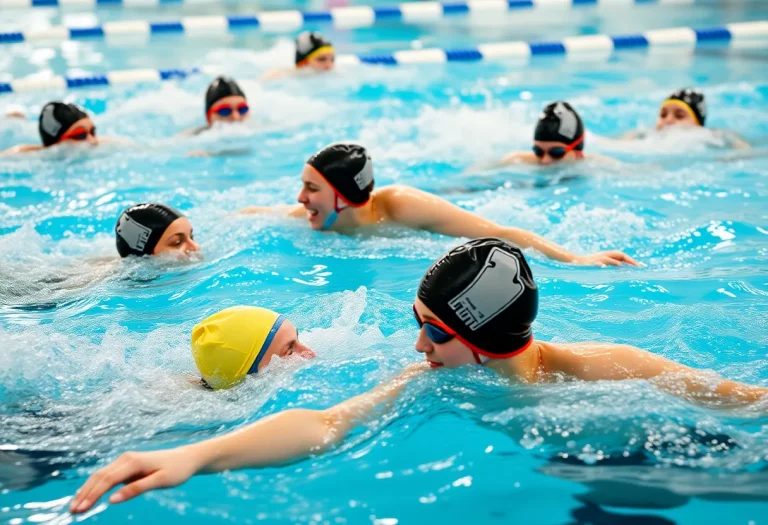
x: 293, y: 20
x: 590, y: 47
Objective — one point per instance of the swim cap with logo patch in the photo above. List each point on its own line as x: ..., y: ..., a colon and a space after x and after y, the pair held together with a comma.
x: 559, y: 122
x: 55, y: 119
x: 484, y: 291
x: 220, y: 88
x: 140, y: 227
x: 310, y: 44
x: 691, y: 100
x: 348, y: 169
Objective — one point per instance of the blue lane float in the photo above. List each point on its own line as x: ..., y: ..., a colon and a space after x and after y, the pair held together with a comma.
x: 591, y: 47
x: 284, y: 21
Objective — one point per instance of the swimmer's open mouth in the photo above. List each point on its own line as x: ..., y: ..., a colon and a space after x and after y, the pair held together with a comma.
x: 432, y: 364
x: 311, y: 213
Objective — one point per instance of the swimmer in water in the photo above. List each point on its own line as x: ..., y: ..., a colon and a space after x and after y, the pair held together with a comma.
x: 225, y: 102
x: 314, y: 54
x: 240, y: 341
x: 557, y: 138
x: 338, y: 195
x: 154, y: 229
x: 474, y: 306
x: 61, y: 124
x: 687, y: 108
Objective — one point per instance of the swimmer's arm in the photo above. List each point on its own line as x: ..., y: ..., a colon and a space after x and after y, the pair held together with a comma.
x: 273, y: 440
x: 292, y: 210
x: 516, y: 157
x: 21, y: 148
x: 595, y: 362
x: 276, y: 73
x: 421, y: 210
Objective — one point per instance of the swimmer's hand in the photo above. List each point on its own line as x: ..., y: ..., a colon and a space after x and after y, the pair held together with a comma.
x: 603, y: 259
x: 198, y: 153
x: 141, y: 471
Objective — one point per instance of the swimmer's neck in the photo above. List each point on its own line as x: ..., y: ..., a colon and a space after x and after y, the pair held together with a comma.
x: 526, y: 366
x: 351, y: 218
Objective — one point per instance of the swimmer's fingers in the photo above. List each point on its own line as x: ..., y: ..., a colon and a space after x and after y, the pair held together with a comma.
x: 622, y: 257
x: 158, y: 480
x: 128, y: 466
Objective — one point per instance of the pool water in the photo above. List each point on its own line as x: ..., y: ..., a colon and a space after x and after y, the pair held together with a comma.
x: 94, y: 354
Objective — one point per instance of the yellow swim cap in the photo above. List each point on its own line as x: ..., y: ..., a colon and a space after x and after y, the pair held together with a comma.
x: 231, y: 343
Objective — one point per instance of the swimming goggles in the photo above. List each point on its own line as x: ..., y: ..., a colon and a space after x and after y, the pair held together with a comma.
x: 556, y: 152
x: 437, y: 332
x: 78, y: 134
x: 440, y: 334
x: 225, y: 110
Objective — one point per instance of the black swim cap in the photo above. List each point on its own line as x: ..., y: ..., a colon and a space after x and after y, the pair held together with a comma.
x: 694, y: 100
x: 348, y: 168
x: 308, y: 43
x: 484, y: 290
x: 140, y: 227
x: 559, y: 122
x: 55, y: 119
x: 221, y: 87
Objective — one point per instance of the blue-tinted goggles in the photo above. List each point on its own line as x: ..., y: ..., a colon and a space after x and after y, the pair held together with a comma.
x: 437, y: 332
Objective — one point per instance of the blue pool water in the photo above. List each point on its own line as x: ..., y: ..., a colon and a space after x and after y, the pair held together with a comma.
x: 94, y: 354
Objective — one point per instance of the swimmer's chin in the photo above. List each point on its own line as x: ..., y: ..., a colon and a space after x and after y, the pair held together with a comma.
x: 180, y: 257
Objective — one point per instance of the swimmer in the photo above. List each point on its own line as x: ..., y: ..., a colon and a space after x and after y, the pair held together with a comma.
x: 557, y: 138
x: 154, y: 229
x: 338, y: 195
x: 61, y: 124
x: 240, y: 341
x: 224, y: 102
x: 314, y: 54
x: 474, y: 306
x: 687, y: 108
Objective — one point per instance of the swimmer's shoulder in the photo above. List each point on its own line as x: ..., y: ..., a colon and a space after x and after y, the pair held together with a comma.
x: 732, y: 139
x: 518, y: 157
x: 575, y: 358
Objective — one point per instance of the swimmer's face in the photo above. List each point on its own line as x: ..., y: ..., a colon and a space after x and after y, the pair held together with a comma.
x: 323, y: 61
x: 553, y: 152
x: 286, y: 343
x: 229, y: 109
x: 673, y: 113
x: 177, y: 238
x: 452, y: 354
x: 317, y: 196
x: 81, y: 132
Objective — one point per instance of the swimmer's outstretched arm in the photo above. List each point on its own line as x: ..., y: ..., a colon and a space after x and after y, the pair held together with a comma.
x: 598, y: 361
x: 292, y: 210
x: 421, y: 210
x: 21, y: 148
x: 282, y: 437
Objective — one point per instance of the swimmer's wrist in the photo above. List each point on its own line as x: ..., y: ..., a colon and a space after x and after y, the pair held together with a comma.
x: 205, y: 457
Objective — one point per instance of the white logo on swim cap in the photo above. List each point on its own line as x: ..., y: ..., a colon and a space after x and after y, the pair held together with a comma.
x: 702, y: 106
x: 134, y: 234
x: 365, y: 177
x: 495, y: 287
x: 49, y: 123
x: 569, y: 124
x: 304, y: 42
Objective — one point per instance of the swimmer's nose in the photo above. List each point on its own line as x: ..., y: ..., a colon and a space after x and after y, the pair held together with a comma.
x: 545, y: 160
x: 423, y: 343
x: 306, y: 352
x: 192, y: 246
x: 92, y: 140
x: 303, y: 197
